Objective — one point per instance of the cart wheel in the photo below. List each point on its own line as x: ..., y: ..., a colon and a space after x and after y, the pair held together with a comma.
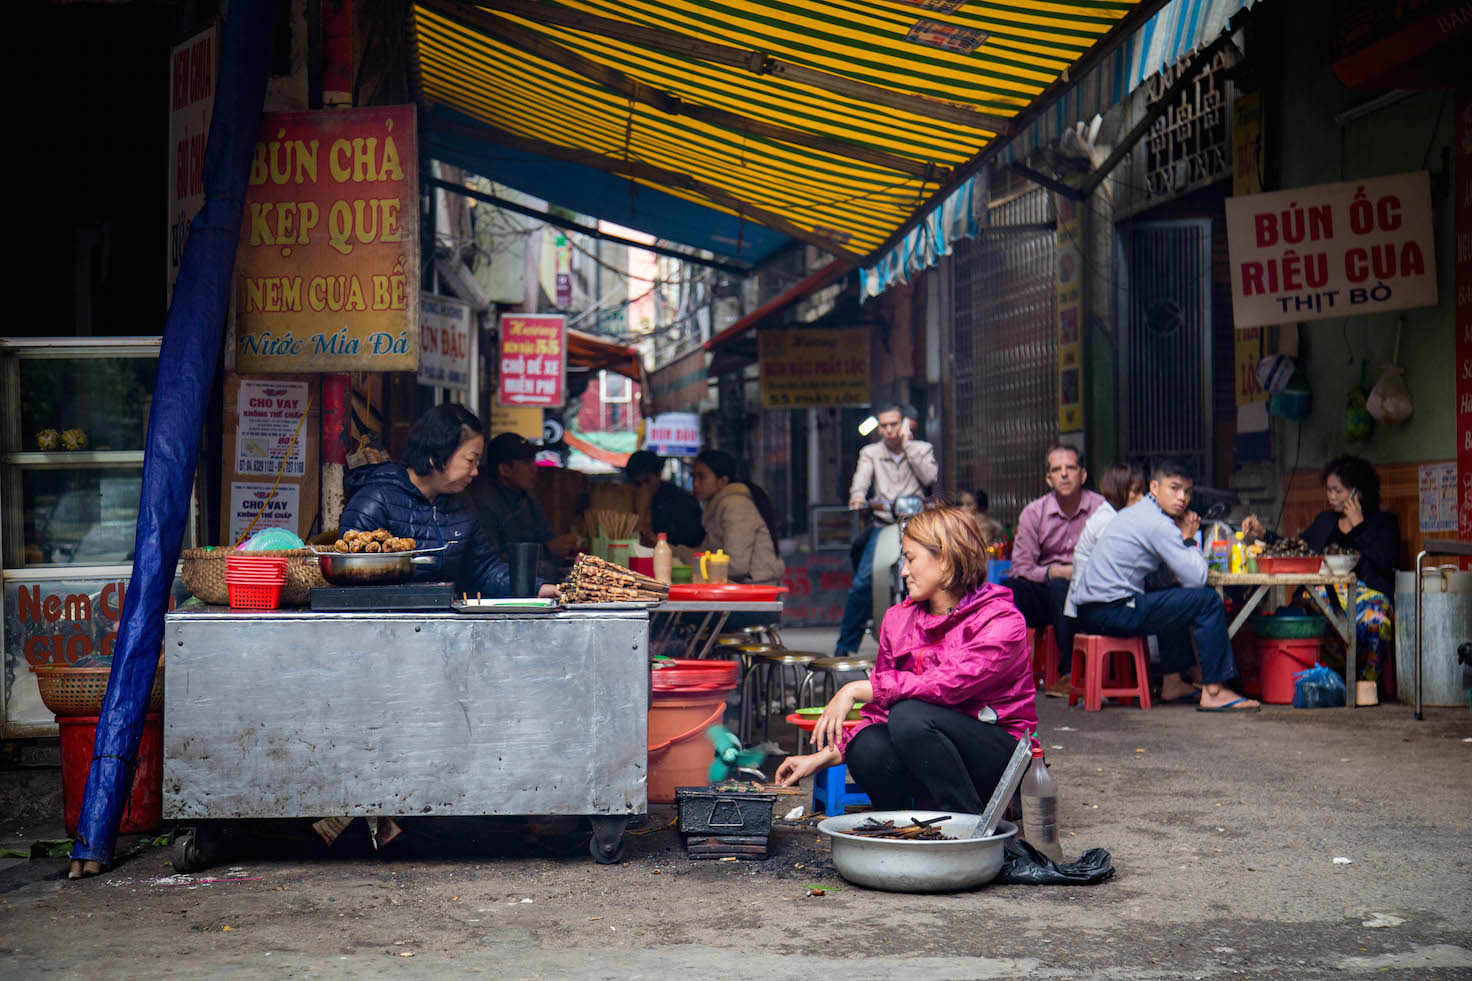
x: 606, y: 852
x: 185, y: 854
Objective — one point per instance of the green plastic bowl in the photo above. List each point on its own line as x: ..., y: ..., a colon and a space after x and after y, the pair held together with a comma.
x: 817, y: 710
x: 1288, y: 628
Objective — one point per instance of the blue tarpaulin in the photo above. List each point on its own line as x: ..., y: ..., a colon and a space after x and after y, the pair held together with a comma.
x: 186, y: 369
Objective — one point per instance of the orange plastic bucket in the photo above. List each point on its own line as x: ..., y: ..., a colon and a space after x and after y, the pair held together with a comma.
x: 1279, y: 660
x: 688, y: 698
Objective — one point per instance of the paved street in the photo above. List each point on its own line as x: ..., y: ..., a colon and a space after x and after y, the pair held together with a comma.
x: 1224, y: 831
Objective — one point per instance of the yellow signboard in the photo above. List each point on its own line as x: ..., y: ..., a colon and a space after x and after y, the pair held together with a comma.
x: 327, y: 271
x: 524, y: 420
x: 812, y: 367
x: 1069, y: 248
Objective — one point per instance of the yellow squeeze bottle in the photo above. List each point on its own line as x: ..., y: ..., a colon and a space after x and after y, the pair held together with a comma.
x: 1238, y: 562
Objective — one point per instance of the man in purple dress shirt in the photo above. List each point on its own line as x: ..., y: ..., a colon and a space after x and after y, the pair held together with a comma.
x: 1042, y: 552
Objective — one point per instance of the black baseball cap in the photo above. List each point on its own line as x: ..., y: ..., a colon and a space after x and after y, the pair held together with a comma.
x: 508, y: 448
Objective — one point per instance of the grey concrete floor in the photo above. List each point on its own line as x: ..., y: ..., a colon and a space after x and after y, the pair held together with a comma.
x: 1224, y: 831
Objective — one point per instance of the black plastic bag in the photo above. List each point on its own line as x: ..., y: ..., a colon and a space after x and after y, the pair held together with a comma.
x: 1024, y: 865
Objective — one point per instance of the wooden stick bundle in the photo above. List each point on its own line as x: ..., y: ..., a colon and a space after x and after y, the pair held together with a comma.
x: 595, y: 580
x: 607, y: 523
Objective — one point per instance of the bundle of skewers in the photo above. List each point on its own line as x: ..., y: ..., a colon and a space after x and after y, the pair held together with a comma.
x: 613, y: 525
x: 916, y: 830
x: 595, y: 580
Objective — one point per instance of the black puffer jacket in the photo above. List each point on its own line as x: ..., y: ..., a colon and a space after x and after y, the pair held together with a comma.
x: 382, y: 496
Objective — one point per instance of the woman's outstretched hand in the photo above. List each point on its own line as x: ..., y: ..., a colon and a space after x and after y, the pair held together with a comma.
x: 795, y: 768
x: 829, y: 729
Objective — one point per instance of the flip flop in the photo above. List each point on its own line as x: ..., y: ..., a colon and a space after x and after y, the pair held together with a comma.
x: 1227, y: 708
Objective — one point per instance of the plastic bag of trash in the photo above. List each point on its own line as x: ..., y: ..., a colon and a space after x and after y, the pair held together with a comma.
x: 1318, y: 687
x: 1024, y: 865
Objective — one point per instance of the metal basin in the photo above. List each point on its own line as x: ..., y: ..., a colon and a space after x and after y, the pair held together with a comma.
x: 917, y: 866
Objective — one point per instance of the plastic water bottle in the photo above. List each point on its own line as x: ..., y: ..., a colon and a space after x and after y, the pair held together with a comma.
x: 1040, y: 808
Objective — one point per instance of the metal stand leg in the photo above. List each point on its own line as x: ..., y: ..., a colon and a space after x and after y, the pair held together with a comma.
x: 703, y: 650
x: 1351, y: 644
x: 1247, y: 608
x: 1420, y: 557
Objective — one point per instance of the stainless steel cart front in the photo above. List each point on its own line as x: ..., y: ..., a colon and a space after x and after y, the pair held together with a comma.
x: 285, y: 714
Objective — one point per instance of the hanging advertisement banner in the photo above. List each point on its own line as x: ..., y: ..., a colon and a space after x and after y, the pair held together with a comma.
x: 812, y: 367
x: 1069, y: 249
x: 1334, y: 250
x: 269, y: 427
x: 680, y: 385
x: 258, y: 506
x: 674, y: 434
x: 533, y: 359
x: 327, y: 272
x: 192, y: 69
x: 1462, y: 349
x: 444, y: 342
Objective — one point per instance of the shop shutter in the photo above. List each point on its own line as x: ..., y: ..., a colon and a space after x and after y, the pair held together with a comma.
x: 1165, y: 346
x: 1005, y: 354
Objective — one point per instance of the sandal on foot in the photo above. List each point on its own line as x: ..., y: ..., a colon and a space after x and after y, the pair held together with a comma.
x: 1228, y: 709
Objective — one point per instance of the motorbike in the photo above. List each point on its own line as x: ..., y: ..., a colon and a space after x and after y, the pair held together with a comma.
x: 888, y: 586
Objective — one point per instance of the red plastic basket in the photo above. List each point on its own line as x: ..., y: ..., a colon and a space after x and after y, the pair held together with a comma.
x: 255, y: 596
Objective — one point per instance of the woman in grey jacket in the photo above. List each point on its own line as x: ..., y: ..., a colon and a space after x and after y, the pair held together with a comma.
x: 738, y: 519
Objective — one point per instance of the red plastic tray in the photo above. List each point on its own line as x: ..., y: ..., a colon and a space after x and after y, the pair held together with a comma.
x: 733, y: 591
x: 1300, y: 564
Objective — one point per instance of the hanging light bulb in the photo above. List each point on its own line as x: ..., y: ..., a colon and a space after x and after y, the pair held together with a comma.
x: 868, y: 426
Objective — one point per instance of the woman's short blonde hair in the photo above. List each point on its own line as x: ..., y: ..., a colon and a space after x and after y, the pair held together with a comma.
x: 951, y: 535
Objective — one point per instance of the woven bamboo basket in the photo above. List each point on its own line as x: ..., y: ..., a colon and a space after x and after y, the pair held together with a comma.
x: 70, y: 691
x: 204, y: 574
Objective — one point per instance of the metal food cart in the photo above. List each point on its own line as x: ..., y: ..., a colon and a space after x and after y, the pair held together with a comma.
x: 286, y: 714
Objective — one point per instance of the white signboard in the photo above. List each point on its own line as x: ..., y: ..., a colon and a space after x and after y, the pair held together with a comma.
x: 192, y: 69
x: 444, y: 342
x: 1334, y: 250
x: 279, y: 510
x: 270, y: 414
x: 674, y: 434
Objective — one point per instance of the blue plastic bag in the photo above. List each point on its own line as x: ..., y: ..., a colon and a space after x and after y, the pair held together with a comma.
x: 1318, y: 687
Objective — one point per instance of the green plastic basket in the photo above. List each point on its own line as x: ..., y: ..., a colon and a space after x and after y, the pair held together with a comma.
x: 1288, y: 628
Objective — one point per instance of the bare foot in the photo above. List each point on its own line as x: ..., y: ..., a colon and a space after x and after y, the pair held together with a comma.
x: 1173, y: 687
x: 1219, y: 696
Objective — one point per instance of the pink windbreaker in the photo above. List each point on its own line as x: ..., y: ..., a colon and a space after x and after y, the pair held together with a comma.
x: 970, y: 659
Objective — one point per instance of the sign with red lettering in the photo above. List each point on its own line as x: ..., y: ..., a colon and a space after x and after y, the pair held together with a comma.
x: 192, y: 69
x: 533, y: 359
x: 1462, y: 356
x: 810, y: 367
x: 327, y: 272
x: 56, y: 622
x: 1334, y: 250
x: 444, y: 342
x: 674, y: 434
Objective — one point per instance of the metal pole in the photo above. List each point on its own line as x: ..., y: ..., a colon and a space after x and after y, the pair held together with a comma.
x: 1419, y: 558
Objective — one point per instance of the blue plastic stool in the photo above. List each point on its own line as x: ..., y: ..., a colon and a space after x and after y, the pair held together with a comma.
x: 832, y: 792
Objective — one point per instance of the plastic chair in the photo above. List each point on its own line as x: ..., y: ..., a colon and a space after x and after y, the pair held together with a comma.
x: 1099, y: 667
x: 832, y: 792
x: 830, y: 668
x: 1044, y: 657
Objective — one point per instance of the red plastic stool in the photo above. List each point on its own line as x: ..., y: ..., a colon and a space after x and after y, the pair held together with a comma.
x: 1100, y: 665
x: 1044, y: 657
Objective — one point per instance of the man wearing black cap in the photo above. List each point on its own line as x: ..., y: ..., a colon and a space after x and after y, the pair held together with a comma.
x: 672, y: 510
x: 508, y: 512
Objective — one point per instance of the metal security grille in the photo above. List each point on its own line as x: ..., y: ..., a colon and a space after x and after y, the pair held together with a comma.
x: 1006, y: 354
x: 1164, y: 281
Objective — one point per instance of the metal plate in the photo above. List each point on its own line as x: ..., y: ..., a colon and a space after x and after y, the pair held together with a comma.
x: 611, y: 606
x: 500, y: 606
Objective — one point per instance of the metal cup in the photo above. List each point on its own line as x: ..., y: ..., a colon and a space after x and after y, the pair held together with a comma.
x: 524, y: 559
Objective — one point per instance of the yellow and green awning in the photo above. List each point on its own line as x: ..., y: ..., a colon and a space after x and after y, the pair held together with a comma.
x: 832, y: 123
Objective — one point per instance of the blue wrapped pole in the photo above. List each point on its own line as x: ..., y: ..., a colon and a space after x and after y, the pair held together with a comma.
x: 186, y: 373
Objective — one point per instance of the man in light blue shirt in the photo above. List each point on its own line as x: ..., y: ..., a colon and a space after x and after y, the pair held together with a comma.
x: 1112, y: 598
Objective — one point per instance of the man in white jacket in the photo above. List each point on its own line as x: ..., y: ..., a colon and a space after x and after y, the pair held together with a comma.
x: 897, y: 466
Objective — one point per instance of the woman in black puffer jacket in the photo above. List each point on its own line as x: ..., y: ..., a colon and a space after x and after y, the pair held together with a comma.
x: 421, y: 499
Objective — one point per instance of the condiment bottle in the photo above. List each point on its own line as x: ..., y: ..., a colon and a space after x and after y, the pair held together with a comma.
x: 1040, y: 807
x: 1239, y: 554
x: 664, y: 560
x: 714, y: 566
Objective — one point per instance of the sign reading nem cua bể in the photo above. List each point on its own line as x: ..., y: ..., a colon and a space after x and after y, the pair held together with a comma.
x: 327, y: 273
x: 1334, y: 250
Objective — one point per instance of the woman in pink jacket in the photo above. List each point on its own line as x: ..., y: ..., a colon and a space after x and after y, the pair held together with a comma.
x: 951, y: 692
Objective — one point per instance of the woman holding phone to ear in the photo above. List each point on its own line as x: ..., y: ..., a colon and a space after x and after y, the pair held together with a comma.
x: 1355, y: 521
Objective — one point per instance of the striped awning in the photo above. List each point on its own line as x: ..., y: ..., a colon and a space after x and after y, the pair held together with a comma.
x: 1177, y: 29
x: 742, y: 126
